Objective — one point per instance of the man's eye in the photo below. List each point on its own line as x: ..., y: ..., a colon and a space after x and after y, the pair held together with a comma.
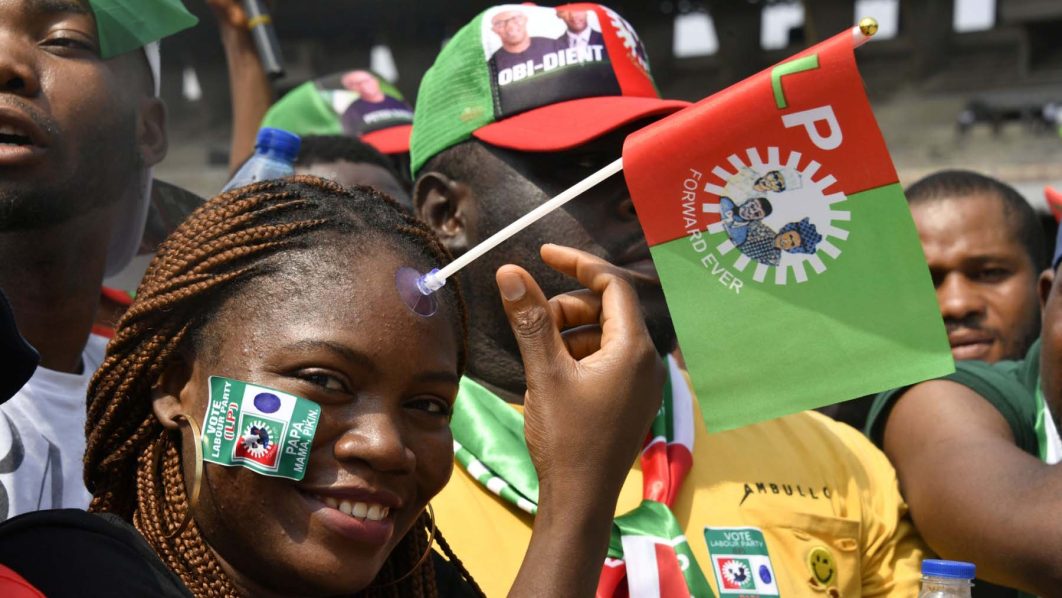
x: 992, y: 274
x: 70, y: 42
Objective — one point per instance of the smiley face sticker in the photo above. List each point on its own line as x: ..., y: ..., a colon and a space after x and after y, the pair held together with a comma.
x: 822, y: 566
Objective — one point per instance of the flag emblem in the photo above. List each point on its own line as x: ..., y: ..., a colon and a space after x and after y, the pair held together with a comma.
x: 258, y: 442
x: 773, y: 215
x: 737, y: 574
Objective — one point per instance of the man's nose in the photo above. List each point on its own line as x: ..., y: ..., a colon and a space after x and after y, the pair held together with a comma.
x: 959, y: 297
x: 18, y: 72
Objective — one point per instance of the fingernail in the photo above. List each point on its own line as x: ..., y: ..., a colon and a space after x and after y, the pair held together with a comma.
x: 512, y: 287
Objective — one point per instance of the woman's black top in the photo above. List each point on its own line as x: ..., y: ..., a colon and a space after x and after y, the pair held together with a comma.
x: 69, y: 552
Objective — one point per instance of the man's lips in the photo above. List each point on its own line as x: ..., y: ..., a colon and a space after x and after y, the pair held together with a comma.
x: 638, y: 261
x: 21, y: 140
x: 970, y: 344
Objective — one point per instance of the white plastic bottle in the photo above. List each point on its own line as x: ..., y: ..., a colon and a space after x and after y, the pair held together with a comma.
x: 274, y: 158
x: 946, y: 579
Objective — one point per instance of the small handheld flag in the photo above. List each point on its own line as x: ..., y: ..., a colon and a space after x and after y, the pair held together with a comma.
x: 265, y: 430
x: 788, y: 257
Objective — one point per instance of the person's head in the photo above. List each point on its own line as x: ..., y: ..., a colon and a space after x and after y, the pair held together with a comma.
x: 82, y: 130
x: 985, y: 248
x: 772, y: 181
x: 350, y: 162
x: 288, y: 284
x: 756, y: 208
x: 574, y: 19
x: 511, y: 27
x: 476, y: 178
x: 364, y: 84
x: 798, y: 237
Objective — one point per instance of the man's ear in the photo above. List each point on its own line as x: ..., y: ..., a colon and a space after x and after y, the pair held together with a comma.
x: 1047, y: 280
x: 446, y: 206
x: 151, y: 131
x: 166, y: 396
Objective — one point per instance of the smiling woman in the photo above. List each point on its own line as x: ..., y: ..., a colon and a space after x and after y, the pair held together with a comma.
x: 269, y: 320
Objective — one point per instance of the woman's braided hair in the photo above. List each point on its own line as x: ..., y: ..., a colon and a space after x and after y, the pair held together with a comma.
x: 132, y: 464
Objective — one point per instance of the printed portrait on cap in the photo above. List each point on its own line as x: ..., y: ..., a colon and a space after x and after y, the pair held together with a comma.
x: 540, y: 55
x: 357, y: 103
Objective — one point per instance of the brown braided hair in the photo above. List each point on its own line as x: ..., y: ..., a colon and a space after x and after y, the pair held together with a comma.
x: 132, y: 464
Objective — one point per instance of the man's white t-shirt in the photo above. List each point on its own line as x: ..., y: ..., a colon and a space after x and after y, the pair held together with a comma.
x: 42, y: 439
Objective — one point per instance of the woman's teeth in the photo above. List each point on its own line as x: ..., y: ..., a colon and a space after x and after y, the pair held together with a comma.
x: 361, y: 510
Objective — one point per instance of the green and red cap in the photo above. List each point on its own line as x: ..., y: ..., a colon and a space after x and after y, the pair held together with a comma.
x: 535, y: 79
x: 357, y: 103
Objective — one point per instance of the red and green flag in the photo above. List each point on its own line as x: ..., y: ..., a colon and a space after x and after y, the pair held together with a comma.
x: 785, y: 247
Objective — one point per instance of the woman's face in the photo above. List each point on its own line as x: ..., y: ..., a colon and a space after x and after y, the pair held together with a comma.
x: 336, y: 333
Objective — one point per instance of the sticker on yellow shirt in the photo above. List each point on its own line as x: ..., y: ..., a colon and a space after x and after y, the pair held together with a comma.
x: 740, y: 561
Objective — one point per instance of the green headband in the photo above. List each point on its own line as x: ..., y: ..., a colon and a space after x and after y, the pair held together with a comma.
x: 126, y: 25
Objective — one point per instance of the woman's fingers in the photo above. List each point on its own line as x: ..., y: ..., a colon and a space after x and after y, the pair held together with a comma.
x: 577, y: 308
x: 582, y: 341
x: 532, y: 323
x: 621, y: 316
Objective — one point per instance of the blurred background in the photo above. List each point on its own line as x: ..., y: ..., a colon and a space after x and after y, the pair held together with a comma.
x: 954, y: 83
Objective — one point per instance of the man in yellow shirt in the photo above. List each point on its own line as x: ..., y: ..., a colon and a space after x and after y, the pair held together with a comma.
x: 797, y: 506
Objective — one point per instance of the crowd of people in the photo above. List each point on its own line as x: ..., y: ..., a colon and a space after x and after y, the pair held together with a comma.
x: 498, y: 446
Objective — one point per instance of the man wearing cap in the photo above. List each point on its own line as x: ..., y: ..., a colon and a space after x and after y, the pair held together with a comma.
x: 579, y: 33
x: 80, y: 127
x: 810, y: 502
x: 373, y: 107
x: 978, y: 452
x: 518, y: 46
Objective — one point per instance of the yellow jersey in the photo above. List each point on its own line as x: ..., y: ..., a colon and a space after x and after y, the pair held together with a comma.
x: 825, y: 500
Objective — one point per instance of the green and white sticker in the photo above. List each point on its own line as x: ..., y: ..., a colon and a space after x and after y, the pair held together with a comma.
x: 740, y: 561
x: 263, y: 429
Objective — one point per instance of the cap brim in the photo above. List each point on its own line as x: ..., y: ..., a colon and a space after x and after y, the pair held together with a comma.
x: 566, y: 125
x: 392, y: 140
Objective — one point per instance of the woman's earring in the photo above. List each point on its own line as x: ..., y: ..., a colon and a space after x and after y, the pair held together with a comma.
x: 197, y: 477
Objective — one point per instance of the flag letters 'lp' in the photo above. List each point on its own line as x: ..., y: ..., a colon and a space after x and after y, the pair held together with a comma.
x: 787, y: 254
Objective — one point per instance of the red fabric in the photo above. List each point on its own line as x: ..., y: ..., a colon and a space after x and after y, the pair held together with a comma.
x: 613, y: 580
x: 566, y: 125
x: 672, y: 582
x: 659, y: 158
x: 1054, y: 201
x: 392, y: 140
x: 117, y: 295
x: 12, y: 585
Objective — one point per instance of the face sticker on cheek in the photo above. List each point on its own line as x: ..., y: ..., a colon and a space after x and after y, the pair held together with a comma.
x: 265, y: 430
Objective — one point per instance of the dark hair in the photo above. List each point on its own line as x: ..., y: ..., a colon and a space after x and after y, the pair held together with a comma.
x: 318, y: 149
x: 229, y: 241
x: 963, y: 184
x: 765, y: 205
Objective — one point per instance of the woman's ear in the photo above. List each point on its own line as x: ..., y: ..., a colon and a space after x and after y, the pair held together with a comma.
x: 166, y: 396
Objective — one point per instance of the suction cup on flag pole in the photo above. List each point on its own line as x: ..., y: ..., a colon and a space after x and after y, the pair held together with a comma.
x: 418, y: 290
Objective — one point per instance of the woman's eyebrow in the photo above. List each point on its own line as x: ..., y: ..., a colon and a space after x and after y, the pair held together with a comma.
x: 339, y: 349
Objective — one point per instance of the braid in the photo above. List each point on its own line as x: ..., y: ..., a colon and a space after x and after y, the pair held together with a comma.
x: 133, y: 464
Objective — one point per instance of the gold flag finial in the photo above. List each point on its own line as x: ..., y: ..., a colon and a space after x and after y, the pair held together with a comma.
x: 868, y: 26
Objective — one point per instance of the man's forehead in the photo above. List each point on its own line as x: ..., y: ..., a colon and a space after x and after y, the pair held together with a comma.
x: 50, y: 7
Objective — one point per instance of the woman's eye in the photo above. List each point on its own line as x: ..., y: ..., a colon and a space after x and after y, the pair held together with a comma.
x: 431, y: 405
x: 323, y: 380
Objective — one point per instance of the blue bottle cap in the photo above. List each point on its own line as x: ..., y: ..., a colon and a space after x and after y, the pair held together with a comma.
x: 278, y: 141
x: 948, y: 569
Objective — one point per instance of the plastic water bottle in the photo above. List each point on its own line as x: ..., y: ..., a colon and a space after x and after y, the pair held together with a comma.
x: 946, y: 579
x: 274, y: 158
